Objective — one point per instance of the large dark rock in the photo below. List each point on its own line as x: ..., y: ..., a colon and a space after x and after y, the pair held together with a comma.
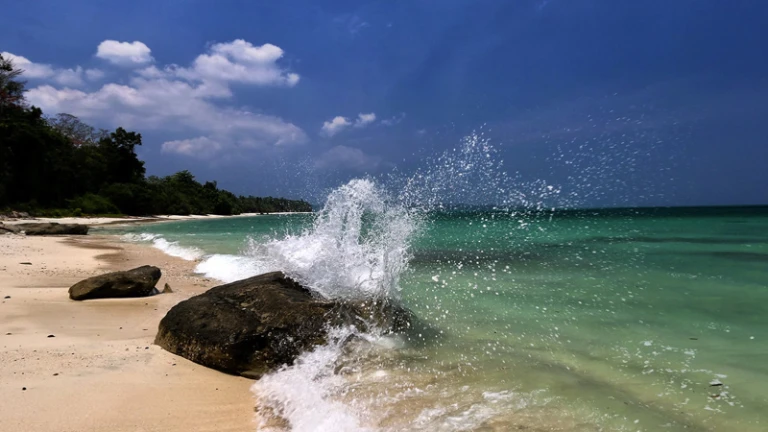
x: 254, y: 325
x: 47, y: 228
x: 139, y: 282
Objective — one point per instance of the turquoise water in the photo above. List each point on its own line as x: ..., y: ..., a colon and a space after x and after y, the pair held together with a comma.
x: 636, y: 320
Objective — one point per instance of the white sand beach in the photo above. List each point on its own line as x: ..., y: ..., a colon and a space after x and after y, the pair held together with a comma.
x: 91, y: 366
x: 133, y: 219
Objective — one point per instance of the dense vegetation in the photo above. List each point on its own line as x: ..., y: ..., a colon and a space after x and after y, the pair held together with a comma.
x: 60, y: 165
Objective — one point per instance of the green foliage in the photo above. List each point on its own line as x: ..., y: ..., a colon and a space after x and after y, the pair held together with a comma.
x: 92, y: 204
x: 61, y: 166
x: 11, y: 88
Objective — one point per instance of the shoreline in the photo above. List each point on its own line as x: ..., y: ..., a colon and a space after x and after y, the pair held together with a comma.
x: 99, y: 370
x: 101, y: 221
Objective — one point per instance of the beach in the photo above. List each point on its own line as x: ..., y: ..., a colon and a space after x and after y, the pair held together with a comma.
x: 100, y: 221
x: 92, y: 365
x: 571, y: 321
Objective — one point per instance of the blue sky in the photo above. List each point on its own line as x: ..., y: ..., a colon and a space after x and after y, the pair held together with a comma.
x: 623, y: 102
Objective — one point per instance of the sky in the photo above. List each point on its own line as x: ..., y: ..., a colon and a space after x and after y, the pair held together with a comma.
x: 618, y: 102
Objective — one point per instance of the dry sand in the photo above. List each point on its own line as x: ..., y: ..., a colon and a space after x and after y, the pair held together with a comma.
x: 100, y: 370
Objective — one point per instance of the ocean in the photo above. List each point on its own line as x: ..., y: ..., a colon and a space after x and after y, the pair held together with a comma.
x: 530, y: 315
x: 606, y: 320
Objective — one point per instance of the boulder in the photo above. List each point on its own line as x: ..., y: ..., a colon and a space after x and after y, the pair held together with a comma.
x: 139, y: 282
x: 252, y: 326
x: 48, y: 228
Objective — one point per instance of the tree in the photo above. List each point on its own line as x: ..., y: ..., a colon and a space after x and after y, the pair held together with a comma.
x: 122, y: 164
x: 11, y: 89
x: 78, y: 132
x: 50, y: 164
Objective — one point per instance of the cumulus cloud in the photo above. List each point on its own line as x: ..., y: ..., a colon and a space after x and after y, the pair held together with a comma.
x: 94, y: 74
x: 339, y: 123
x: 241, y: 61
x: 347, y: 158
x: 124, y: 53
x: 168, y: 105
x: 182, y: 100
x: 31, y: 70
x: 365, y: 119
x: 45, y: 72
x: 336, y: 125
x: 200, y: 147
x: 238, y: 61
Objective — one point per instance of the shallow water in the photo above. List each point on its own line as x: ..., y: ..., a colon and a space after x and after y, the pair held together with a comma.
x: 639, y: 320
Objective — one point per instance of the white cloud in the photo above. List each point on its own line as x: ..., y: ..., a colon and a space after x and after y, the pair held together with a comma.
x: 200, y: 147
x: 332, y: 127
x: 69, y: 77
x: 31, y: 70
x: 94, y: 74
x: 46, y: 72
x: 347, y: 158
x: 238, y: 61
x: 339, y: 123
x: 124, y: 53
x: 164, y: 104
x: 165, y: 99
x: 364, y: 119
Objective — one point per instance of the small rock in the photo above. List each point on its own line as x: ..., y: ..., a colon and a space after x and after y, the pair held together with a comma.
x: 8, y: 334
x: 23, y: 389
x: 56, y: 374
x: 50, y: 336
x: 26, y: 263
x: 167, y: 289
x: 138, y: 282
x: 7, y: 297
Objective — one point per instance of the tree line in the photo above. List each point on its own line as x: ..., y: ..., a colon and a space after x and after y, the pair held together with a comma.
x: 56, y: 166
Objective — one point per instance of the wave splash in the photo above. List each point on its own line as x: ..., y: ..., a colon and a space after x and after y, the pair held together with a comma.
x: 357, y: 248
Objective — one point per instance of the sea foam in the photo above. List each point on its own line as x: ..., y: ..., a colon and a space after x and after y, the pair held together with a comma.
x: 169, y: 247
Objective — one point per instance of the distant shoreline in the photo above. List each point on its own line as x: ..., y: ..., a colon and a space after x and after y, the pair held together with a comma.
x: 101, y: 221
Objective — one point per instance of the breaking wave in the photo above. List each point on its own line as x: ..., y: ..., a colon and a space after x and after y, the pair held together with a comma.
x: 169, y: 247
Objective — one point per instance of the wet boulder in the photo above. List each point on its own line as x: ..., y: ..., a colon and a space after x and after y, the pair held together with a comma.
x: 252, y: 326
x: 138, y: 282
